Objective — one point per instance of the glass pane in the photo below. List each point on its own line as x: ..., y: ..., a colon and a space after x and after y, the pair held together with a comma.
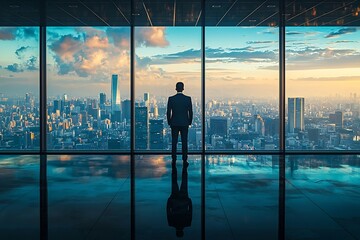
x: 88, y: 88
x: 242, y: 88
x: 242, y: 194
x: 89, y: 197
x: 168, y: 198
x: 19, y: 197
x: 19, y: 88
x: 322, y: 74
x: 322, y: 197
x: 165, y: 56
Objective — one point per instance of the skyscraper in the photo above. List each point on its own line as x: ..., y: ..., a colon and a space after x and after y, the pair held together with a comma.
x: 102, y: 99
x: 147, y: 99
x: 57, y: 105
x: 27, y: 98
x: 115, y: 94
x: 259, y: 125
x: 337, y: 118
x: 296, y: 109
x: 219, y: 126
x: 126, y: 108
x: 141, y: 127
x: 156, y: 134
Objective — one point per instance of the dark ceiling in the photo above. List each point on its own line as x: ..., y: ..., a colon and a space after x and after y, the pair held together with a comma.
x: 180, y: 13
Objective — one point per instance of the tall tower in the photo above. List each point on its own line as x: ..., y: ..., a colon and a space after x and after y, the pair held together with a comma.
x: 102, y: 99
x: 115, y: 94
x: 259, y: 125
x: 147, y: 99
x: 156, y: 134
x: 296, y: 109
x: 141, y: 128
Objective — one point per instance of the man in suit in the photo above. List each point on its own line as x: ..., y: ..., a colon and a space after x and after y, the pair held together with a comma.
x: 179, y: 116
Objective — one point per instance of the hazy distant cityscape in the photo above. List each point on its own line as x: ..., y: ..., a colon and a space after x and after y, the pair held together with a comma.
x: 103, y: 123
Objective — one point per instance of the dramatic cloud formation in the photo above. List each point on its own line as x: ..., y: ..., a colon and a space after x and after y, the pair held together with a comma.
x: 30, y: 64
x: 340, y: 32
x: 14, y: 68
x: 20, y: 51
x: 8, y: 33
x: 246, y: 54
x: 119, y: 36
x: 259, y: 42
x: 322, y: 58
x: 98, y: 53
x: 12, y: 33
x: 151, y: 37
x: 293, y: 33
x: 83, y: 55
x: 142, y: 62
x: 310, y: 57
x: 241, y: 55
x: 345, y: 41
x: 29, y: 32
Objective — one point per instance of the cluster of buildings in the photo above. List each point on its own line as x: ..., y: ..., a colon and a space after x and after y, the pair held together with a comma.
x: 103, y: 123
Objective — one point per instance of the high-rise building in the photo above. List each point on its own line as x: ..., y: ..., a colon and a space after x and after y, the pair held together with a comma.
x: 115, y: 94
x: 259, y: 125
x: 156, y: 134
x: 27, y: 98
x: 57, y: 105
x: 102, y: 99
x: 116, y: 116
x: 219, y: 126
x: 337, y: 118
x: 147, y: 99
x: 126, y: 109
x: 156, y: 112
x: 296, y: 109
x: 141, y: 128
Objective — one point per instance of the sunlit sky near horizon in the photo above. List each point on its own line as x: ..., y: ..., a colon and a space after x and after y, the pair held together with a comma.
x: 241, y: 62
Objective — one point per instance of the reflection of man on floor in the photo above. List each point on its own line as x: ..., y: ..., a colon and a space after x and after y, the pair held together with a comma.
x: 179, y: 205
x: 179, y: 116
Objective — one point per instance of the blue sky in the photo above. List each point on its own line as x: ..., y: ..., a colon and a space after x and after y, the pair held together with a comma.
x: 240, y: 61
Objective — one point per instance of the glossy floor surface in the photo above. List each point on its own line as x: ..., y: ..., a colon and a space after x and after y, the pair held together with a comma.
x: 89, y: 197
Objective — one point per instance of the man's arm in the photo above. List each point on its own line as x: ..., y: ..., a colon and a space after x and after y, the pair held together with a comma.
x: 190, y: 113
x: 168, y: 111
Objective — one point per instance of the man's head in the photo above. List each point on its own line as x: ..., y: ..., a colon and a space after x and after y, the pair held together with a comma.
x: 179, y: 86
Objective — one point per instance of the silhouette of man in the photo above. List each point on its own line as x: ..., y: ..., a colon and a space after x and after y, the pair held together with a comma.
x: 179, y: 205
x: 179, y: 116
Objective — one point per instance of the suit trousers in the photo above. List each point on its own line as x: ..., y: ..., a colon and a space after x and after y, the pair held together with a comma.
x: 183, y: 130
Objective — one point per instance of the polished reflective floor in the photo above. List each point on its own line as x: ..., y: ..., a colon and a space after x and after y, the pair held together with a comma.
x: 89, y: 197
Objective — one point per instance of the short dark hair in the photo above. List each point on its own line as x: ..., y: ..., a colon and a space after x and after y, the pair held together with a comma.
x: 179, y: 86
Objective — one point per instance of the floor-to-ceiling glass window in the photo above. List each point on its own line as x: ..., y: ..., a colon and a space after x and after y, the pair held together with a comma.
x: 88, y: 88
x: 165, y: 56
x: 167, y: 47
x: 242, y: 77
x: 19, y: 88
x: 322, y: 77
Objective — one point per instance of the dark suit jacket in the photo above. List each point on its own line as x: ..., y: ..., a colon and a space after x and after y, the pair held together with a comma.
x: 179, y: 110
